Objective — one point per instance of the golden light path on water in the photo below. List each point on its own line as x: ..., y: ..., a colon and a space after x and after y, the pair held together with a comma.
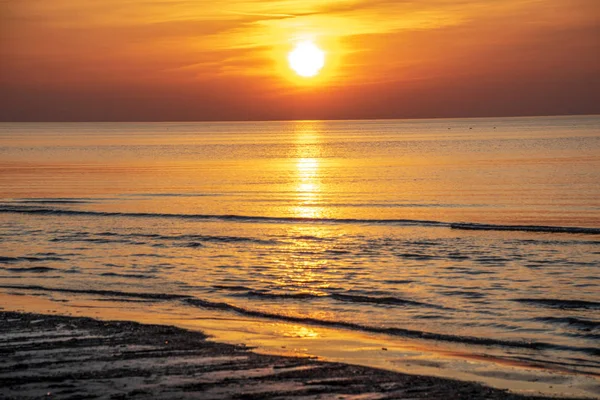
x: 299, y: 271
x: 308, y: 189
x: 308, y: 186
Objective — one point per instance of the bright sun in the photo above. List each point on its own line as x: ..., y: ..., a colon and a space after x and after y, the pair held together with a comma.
x: 306, y: 59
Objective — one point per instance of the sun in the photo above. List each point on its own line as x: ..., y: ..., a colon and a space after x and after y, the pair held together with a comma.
x: 306, y: 59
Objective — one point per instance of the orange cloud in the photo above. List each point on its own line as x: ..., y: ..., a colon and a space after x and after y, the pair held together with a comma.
x: 215, y: 60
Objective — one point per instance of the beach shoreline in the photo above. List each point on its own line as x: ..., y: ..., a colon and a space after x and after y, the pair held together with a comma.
x: 485, y: 366
x: 80, y: 357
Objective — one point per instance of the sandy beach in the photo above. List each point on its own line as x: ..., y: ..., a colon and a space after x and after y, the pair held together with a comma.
x: 46, y: 356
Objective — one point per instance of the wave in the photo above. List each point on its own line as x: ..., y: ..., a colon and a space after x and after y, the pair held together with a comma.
x: 463, y: 293
x: 213, y: 238
x: 73, y: 238
x: 52, y: 201
x: 172, y: 195
x: 247, y: 218
x: 110, y: 293
x: 312, y: 238
x: 6, y: 260
x: 32, y: 269
x: 233, y: 288
x: 581, y: 323
x: 190, y: 237
x: 562, y: 304
x: 191, y: 245
x: 343, y: 297
x: 525, y: 228
x: 190, y: 240
x: 269, y: 295
x: 408, y: 333
x: 136, y: 276
x: 217, y: 217
x: 396, y: 205
x: 388, y: 300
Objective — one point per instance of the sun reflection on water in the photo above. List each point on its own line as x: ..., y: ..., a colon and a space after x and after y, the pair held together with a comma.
x: 296, y: 331
x: 304, y: 267
x: 308, y: 171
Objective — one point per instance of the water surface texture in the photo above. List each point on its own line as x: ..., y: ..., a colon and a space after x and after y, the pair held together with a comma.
x: 481, y: 232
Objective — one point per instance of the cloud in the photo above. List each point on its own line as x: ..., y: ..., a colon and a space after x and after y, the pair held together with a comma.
x: 235, y: 51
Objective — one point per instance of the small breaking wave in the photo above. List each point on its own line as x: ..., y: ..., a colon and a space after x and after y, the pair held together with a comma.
x: 172, y: 195
x: 270, y: 295
x: 387, y: 300
x: 408, y: 333
x: 117, y: 275
x: 525, y: 228
x: 342, y: 297
x: 216, y: 217
x: 233, y: 288
x: 7, y: 260
x: 562, y: 304
x: 463, y: 293
x: 247, y: 218
x: 190, y: 241
x: 32, y: 269
x: 580, y: 323
x: 52, y: 201
x: 109, y: 293
x: 188, y: 238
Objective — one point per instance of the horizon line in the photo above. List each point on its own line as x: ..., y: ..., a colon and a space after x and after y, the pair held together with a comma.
x: 297, y: 120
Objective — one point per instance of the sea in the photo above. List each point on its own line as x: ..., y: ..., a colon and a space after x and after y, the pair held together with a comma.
x: 479, y: 233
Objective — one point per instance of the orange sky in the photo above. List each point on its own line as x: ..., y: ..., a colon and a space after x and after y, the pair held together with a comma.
x: 73, y: 60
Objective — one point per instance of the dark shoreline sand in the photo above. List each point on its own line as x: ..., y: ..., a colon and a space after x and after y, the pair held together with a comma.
x: 49, y: 356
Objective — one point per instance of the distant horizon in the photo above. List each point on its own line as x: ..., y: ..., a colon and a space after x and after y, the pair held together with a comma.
x: 308, y: 119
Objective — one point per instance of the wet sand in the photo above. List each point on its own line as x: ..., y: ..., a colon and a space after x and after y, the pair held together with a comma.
x: 44, y: 356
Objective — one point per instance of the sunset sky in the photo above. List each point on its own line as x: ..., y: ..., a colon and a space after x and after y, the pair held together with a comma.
x: 155, y: 60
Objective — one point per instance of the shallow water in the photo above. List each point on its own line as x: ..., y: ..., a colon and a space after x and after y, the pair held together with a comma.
x: 480, y: 232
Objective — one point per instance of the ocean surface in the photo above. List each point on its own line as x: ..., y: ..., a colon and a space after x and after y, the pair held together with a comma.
x: 478, y: 232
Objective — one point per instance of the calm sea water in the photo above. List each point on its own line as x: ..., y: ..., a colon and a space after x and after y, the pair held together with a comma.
x: 484, y: 232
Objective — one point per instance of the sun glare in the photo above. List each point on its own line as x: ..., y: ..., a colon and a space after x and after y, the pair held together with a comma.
x: 306, y: 59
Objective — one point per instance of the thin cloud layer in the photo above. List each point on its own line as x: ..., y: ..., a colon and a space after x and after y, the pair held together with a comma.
x: 176, y: 59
